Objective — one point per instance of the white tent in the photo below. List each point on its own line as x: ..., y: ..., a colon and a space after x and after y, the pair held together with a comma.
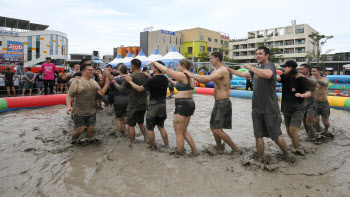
x: 172, y: 57
x: 116, y: 61
x: 142, y: 57
x: 155, y: 56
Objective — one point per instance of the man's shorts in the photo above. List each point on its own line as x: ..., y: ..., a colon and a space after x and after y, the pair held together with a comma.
x: 28, y: 85
x: 9, y: 84
x: 294, y: 119
x: 221, y: 116
x: 40, y: 85
x: 134, y: 117
x: 184, y: 106
x: 120, y: 110
x: 267, y: 124
x: 110, y: 98
x: 323, y: 109
x: 86, y: 121
x: 156, y: 115
x: 310, y: 108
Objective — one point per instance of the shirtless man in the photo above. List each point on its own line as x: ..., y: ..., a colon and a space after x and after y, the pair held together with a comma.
x: 265, y: 109
x: 305, y: 71
x: 221, y: 116
x: 321, y: 103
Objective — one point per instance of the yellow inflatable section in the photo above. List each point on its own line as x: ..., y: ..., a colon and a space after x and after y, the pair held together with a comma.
x: 168, y: 91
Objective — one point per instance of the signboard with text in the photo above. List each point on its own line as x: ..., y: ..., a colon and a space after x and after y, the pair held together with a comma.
x: 225, y: 37
x: 168, y: 32
x: 8, y: 33
x: 13, y: 46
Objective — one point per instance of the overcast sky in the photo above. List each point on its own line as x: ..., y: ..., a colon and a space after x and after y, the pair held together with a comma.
x: 104, y: 24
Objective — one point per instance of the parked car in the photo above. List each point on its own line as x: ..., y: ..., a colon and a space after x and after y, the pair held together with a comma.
x: 346, y: 69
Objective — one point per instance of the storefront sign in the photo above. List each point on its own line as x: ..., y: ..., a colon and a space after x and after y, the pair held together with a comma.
x: 168, y: 32
x: 13, y: 46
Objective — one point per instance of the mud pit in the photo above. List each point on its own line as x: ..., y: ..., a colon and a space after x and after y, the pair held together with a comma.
x: 37, y: 159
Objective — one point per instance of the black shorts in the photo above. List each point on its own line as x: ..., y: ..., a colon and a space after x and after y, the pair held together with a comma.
x: 294, y: 119
x: 221, y: 116
x: 9, y: 84
x: 134, y: 117
x: 86, y: 121
x: 120, y: 110
x: 171, y: 87
x: 156, y: 115
x: 323, y: 109
x: 267, y: 124
x: 110, y: 98
x: 184, y: 106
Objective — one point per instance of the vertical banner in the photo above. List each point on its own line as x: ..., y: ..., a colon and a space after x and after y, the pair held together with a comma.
x: 13, y: 46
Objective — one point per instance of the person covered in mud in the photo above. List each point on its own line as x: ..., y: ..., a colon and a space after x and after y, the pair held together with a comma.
x: 265, y: 109
x: 309, y: 103
x: 221, y: 116
x: 137, y: 105
x: 321, y: 103
x: 84, y: 90
x: 121, y: 100
x: 184, y: 103
x: 156, y: 111
x: 294, y: 90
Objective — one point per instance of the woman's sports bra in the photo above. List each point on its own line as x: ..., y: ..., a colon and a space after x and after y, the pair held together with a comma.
x: 184, y: 87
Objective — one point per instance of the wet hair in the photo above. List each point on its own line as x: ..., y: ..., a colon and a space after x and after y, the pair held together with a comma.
x: 185, y: 62
x: 83, y: 67
x: 152, y: 74
x: 160, y: 62
x: 99, y: 69
x: 123, y: 69
x: 29, y: 69
x: 306, y: 66
x: 136, y: 63
x: 108, y: 65
x: 75, y: 64
x: 120, y: 64
x: 114, y: 67
x: 318, y: 68
x: 266, y: 50
x: 83, y: 61
x: 8, y: 68
x: 60, y: 71
x: 144, y: 69
x: 217, y: 54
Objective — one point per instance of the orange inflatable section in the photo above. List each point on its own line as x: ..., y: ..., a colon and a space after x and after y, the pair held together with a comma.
x: 35, y: 101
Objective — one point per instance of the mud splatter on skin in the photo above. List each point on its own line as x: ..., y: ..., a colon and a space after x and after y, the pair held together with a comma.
x: 38, y: 159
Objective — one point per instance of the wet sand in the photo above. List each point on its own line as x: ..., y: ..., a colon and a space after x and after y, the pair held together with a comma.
x: 37, y: 159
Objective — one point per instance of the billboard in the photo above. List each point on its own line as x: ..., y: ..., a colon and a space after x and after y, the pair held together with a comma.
x: 13, y: 46
x: 11, y: 59
x: 168, y: 32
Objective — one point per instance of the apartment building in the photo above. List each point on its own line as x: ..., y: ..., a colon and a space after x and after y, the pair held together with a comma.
x: 292, y: 41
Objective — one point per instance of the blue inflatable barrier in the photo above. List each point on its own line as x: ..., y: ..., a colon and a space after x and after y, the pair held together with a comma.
x: 247, y: 94
x: 238, y: 82
x: 209, y: 85
x: 341, y: 79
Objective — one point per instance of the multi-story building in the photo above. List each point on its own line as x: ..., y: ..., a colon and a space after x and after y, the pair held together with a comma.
x: 162, y: 40
x: 33, y: 42
x: 292, y: 41
x: 107, y: 58
x: 123, y: 51
x: 198, y: 40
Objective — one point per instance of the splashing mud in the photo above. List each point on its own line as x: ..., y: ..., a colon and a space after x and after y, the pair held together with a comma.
x: 38, y: 159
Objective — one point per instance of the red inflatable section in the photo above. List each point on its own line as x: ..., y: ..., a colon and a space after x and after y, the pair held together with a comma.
x: 35, y: 101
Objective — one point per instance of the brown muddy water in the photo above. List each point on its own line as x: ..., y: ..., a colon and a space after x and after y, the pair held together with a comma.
x: 37, y: 159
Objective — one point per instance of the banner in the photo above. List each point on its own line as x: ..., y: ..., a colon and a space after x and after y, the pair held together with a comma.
x: 13, y: 46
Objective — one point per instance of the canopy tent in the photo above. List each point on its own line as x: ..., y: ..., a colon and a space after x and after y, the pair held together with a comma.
x: 127, y: 60
x: 116, y: 61
x: 142, y: 57
x: 155, y: 56
x: 172, y: 58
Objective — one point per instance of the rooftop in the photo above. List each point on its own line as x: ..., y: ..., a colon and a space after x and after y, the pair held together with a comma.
x: 20, y: 24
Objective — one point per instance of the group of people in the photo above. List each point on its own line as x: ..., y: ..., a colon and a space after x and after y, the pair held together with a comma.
x: 136, y: 95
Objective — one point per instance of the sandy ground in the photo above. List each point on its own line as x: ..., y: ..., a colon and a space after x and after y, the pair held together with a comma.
x: 37, y: 159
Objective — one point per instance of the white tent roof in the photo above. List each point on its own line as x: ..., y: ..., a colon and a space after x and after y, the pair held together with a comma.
x: 172, y: 56
x: 155, y: 56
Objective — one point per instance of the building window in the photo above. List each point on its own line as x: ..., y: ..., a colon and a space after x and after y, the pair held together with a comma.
x: 201, y: 38
x: 189, y: 49
x: 215, y: 49
x: 170, y: 39
x: 176, y: 40
x: 279, y: 43
x: 222, y: 42
x: 216, y: 40
x: 226, y: 43
x: 299, y: 29
x: 300, y: 59
x: 179, y: 50
x: 56, y: 47
x: 167, y: 49
x: 202, y: 48
x: 29, y: 54
x: 300, y: 50
x: 37, y: 43
x: 209, y: 39
x: 0, y: 43
x: 51, y: 44
x: 163, y: 38
x: 209, y: 49
x: 302, y: 41
x: 180, y: 41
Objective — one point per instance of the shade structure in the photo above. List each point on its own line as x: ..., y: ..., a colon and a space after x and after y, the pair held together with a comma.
x: 172, y: 58
x: 116, y: 61
x: 142, y: 57
x: 127, y: 60
x: 155, y: 56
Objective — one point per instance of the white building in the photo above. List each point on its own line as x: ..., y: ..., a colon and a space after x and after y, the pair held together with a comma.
x: 292, y: 41
x: 33, y: 40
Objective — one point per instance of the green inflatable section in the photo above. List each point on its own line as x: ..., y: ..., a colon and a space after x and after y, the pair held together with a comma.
x: 3, y: 104
x: 347, y: 103
x: 243, y: 69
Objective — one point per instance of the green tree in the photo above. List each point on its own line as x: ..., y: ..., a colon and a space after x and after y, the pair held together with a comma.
x: 318, y: 41
x: 275, y: 53
x: 203, y: 56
